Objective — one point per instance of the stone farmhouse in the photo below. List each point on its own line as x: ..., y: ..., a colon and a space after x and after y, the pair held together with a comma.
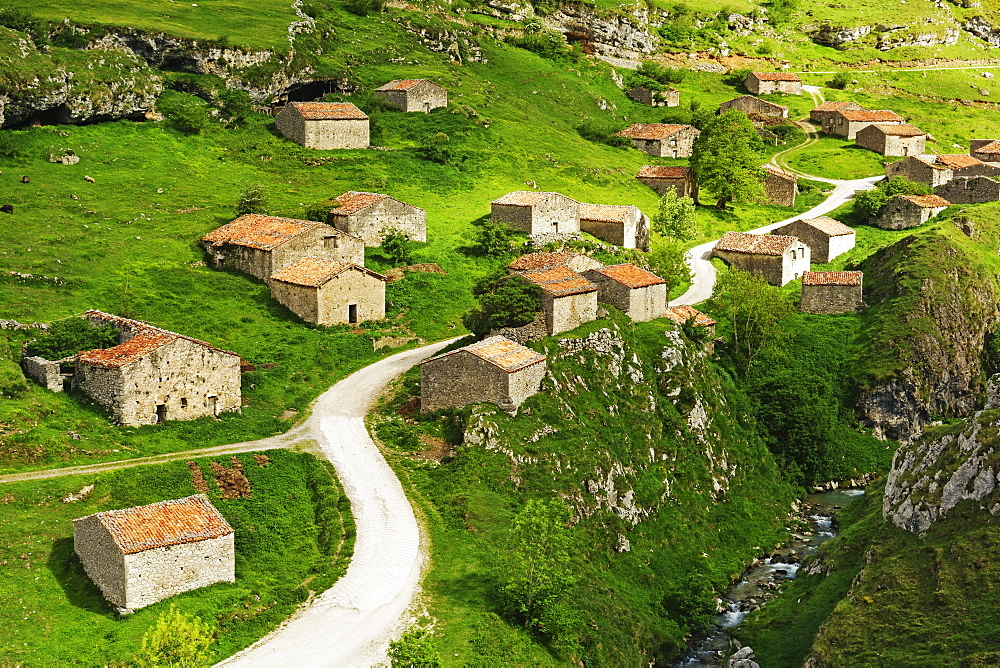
x: 684, y: 313
x: 624, y: 226
x: 662, y: 140
x: 261, y: 245
x: 668, y: 97
x: 780, y: 185
x: 763, y: 83
x: 987, y: 150
x: 751, y: 105
x: 538, y: 213
x: 368, y: 215
x: 826, y: 292
x: 495, y: 370
x: 906, y: 211
x: 820, y: 114
x: 971, y: 190
x: 568, y: 299
x: 138, y: 556
x: 413, y: 94
x: 776, y: 258
x: 330, y: 293
x: 640, y: 294
x: 846, y: 123
x: 660, y: 179
x: 903, y: 139
x: 324, y: 125
x: 826, y: 238
x: 542, y: 261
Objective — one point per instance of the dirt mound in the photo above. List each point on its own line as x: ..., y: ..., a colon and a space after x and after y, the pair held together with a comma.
x: 231, y: 482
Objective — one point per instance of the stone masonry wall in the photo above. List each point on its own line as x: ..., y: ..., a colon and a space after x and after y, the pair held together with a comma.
x: 919, y: 171
x: 780, y: 191
x: 351, y: 287
x: 459, y: 380
x: 648, y: 303
x: 387, y: 213
x: 518, y: 217
x: 313, y: 243
x: 905, y: 145
x: 768, y: 267
x: 633, y: 233
x: 751, y: 105
x: 524, y: 383
x: 153, y: 575
x: 334, y: 134
x: 974, y: 190
x: 45, y: 372
x: 683, y: 187
x: 302, y: 300
x: 253, y: 261
x: 901, y: 215
x: 758, y: 87
x: 823, y: 299
x: 570, y: 311
x: 291, y: 124
x: 101, y: 559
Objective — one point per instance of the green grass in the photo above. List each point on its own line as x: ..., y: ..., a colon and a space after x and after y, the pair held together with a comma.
x: 835, y: 158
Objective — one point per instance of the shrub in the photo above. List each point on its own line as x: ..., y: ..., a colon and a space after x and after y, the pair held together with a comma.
x: 547, y: 44
x: 237, y: 106
x: 176, y: 640
x: 434, y: 147
x: 493, y: 238
x: 184, y: 112
x: 416, y: 649
x: 252, y: 200
x: 397, y: 247
x: 601, y: 133
x: 840, y: 80
x: 504, y: 301
x: 661, y: 73
x: 20, y: 20
x: 869, y: 203
x: 70, y: 336
x: 365, y: 7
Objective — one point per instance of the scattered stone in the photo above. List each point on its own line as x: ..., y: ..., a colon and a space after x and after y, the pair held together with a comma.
x: 623, y: 544
x: 64, y: 156
x: 25, y: 179
x: 79, y: 496
x: 262, y: 460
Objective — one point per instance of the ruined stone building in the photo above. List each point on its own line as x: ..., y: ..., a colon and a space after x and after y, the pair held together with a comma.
x: 986, y: 150
x: 970, y: 190
x: 330, y: 293
x: 138, y: 556
x: 894, y: 140
x: 776, y: 258
x: 764, y: 83
x: 568, y: 299
x: 755, y: 106
x: 905, y: 211
x: 684, y: 313
x: 662, y: 140
x: 780, y: 185
x: 154, y: 375
x: 965, y: 166
x: 820, y: 114
x: 624, y: 226
x: 413, y: 94
x: 541, y: 261
x: 261, y: 245
x: 831, y: 292
x: 324, y: 125
x: 826, y: 238
x: 846, y: 123
x: 538, y: 213
x: 668, y: 97
x: 640, y: 294
x: 495, y: 370
x: 679, y: 179
x: 368, y: 215
x: 921, y: 169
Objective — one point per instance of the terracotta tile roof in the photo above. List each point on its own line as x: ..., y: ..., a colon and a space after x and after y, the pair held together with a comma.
x: 928, y: 159
x: 560, y: 281
x: 145, y: 339
x: 608, y: 213
x: 776, y: 76
x: 402, y: 84
x: 631, y: 276
x: 683, y: 313
x: 536, y: 261
x: 652, y: 130
x: 757, y: 244
x: 827, y: 225
x: 351, y: 202
x: 312, y: 272
x: 661, y: 172
x: 499, y: 351
x: 836, y: 106
x: 832, y: 278
x: 957, y: 160
x: 162, y: 524
x: 926, y: 201
x: 258, y: 231
x: 329, y: 111
x: 778, y: 171
x: 992, y: 147
x: 525, y: 198
x: 902, y: 130
x: 874, y: 116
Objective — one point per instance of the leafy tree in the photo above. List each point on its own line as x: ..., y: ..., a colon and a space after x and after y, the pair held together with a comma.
x: 416, y: 649
x: 674, y: 217
x: 690, y: 600
x: 70, y: 336
x: 726, y: 159
x: 397, y: 247
x: 869, y: 203
x: 252, y: 199
x: 184, y: 112
x: 495, y: 239
x: 666, y: 260
x: 841, y: 80
x: 504, y: 301
x: 237, y: 106
x: 754, y: 311
x: 434, y: 147
x: 779, y: 12
x: 177, y: 639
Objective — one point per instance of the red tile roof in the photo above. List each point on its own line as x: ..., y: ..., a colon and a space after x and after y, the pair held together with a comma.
x: 776, y: 76
x: 901, y: 130
x: 525, y: 198
x: 560, y: 281
x: 836, y: 106
x: 608, y: 213
x: 145, y: 339
x: 536, y: 261
x: 957, y: 160
x: 313, y: 273
x: 992, y: 147
x: 683, y: 313
x: 779, y: 172
x: 832, y: 278
x: 258, y: 231
x: 329, y: 111
x: 499, y: 351
x: 351, y: 202
x: 653, y: 130
x: 403, y: 84
x: 631, y: 276
x: 926, y: 201
x: 757, y: 244
x: 661, y: 172
x: 824, y: 224
x: 874, y: 116
x: 162, y: 524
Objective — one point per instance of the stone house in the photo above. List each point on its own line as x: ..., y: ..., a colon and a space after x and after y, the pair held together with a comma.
x: 330, y: 293
x: 846, y: 123
x: 764, y: 83
x: 537, y: 213
x: 776, y: 258
x: 138, y: 556
x: 684, y: 313
x: 680, y: 179
x: 986, y: 150
x: 413, y: 94
x: 921, y: 169
x: 826, y: 292
x: 970, y: 190
x: 155, y: 375
x: 826, y: 238
x: 903, y: 139
x: 542, y: 261
x: 640, y: 294
x: 568, y: 299
x: 964, y: 166
x: 780, y: 185
x: 820, y: 114
x: 668, y: 97
x: 662, y: 140
x: 751, y: 105
x: 495, y: 370
x: 621, y: 225
x: 366, y: 215
x: 906, y: 211
x: 324, y: 125
x: 261, y: 245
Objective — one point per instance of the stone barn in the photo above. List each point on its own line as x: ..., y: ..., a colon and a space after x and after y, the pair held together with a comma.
x: 679, y: 179
x: 780, y: 185
x: 261, y: 245
x: 764, y: 83
x: 846, y: 123
x: 495, y: 370
x: 640, y: 294
x: 324, y: 125
x: 568, y: 299
x: 684, y: 313
x: 986, y: 150
x: 668, y: 97
x: 366, y: 215
x: 330, y: 293
x: 906, y: 211
x: 971, y: 190
x: 820, y: 114
x: 538, y: 213
x: 624, y: 226
x: 921, y: 169
x: 542, y: 261
x: 138, y: 556
x: 776, y: 258
x: 964, y: 166
x: 155, y: 375
x: 826, y: 238
x: 662, y: 140
x: 749, y: 104
x: 826, y: 292
x: 892, y: 140
x: 413, y: 94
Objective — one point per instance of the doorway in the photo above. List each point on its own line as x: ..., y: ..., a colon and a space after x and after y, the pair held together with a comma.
x: 161, y: 413
x: 352, y: 314
x: 211, y: 406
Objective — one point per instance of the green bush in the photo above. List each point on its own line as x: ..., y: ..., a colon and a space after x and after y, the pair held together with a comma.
x: 365, y: 7
x: 70, y: 336
x: 869, y: 203
x: 547, y: 44
x: 397, y: 247
x: 494, y: 239
x: 415, y: 649
x: 504, y: 301
x: 184, y: 112
x: 20, y: 20
x: 841, y: 80
x: 602, y: 133
x: 253, y: 199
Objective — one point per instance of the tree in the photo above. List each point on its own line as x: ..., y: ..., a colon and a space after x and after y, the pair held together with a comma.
x: 68, y: 337
x: 667, y: 260
x: 869, y: 203
x: 252, y: 200
x: 504, y: 301
x: 495, y: 239
x: 674, y: 217
x: 397, y: 247
x: 185, y: 112
x: 754, y: 311
x: 726, y: 160
x: 178, y: 640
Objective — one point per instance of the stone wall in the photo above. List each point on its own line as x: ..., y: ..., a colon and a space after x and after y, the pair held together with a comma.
x: 822, y: 247
x: 975, y: 190
x: 752, y: 105
x: 533, y: 331
x: 683, y: 187
x: 895, y: 145
x: 655, y: 98
x: 557, y: 214
x: 823, y: 299
x: 321, y: 242
x: 648, y: 303
x: 153, y: 575
x: 302, y: 300
x: 322, y: 134
x: 352, y: 287
x: 45, y: 372
x: 390, y: 213
x: 633, y: 233
x: 758, y: 87
x: 775, y: 269
x: 291, y: 124
x: 101, y: 558
x: 464, y: 378
x: 677, y: 145
x: 900, y: 214
x: 569, y: 311
x: 917, y: 170
x: 780, y: 190
x: 253, y: 261
x: 421, y: 97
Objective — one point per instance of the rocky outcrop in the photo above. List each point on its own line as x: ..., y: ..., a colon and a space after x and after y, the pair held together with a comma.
x: 614, y: 34
x: 914, y: 36
x: 981, y: 27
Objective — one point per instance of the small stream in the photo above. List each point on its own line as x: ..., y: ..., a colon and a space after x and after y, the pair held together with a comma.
x: 762, y: 581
